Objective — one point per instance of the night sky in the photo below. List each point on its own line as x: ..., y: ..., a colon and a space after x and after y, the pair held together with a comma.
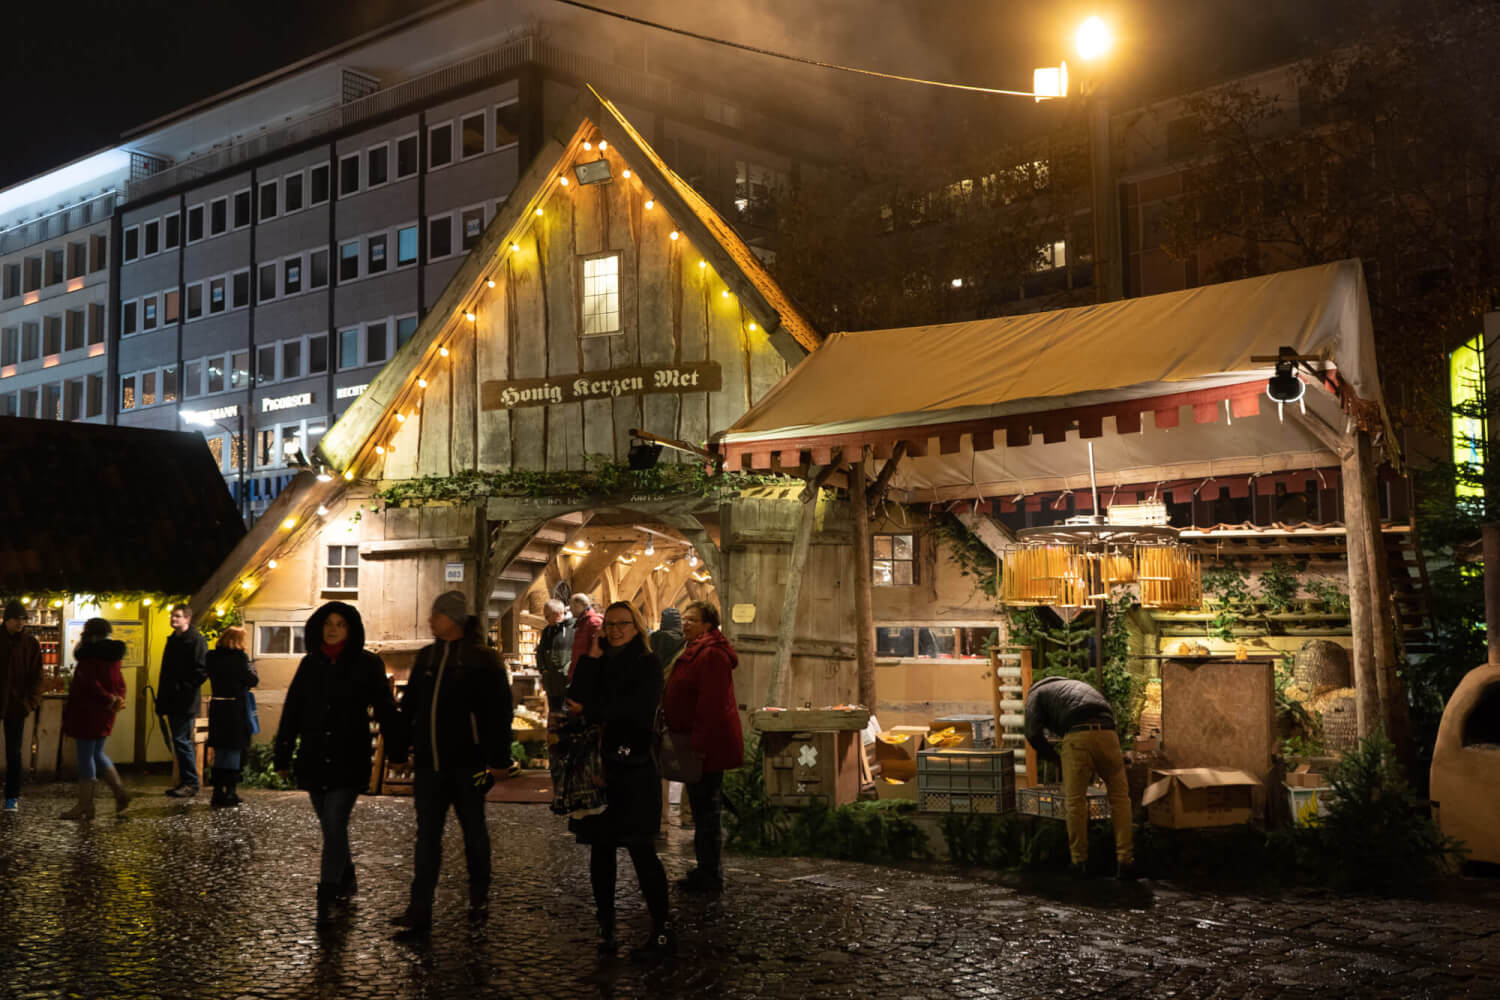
x: 80, y: 72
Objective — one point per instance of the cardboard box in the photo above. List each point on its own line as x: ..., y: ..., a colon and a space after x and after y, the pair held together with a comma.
x: 1305, y: 777
x: 897, y: 750
x: 885, y: 788
x: 1200, y: 797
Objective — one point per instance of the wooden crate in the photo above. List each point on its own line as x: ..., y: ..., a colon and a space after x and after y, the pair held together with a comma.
x: 809, y: 719
x: 813, y: 767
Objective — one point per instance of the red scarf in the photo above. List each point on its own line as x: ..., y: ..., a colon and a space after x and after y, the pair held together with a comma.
x: 332, y: 652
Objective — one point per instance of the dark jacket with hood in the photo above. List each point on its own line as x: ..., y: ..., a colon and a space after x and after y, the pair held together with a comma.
x: 230, y: 676
x: 619, y: 692
x: 554, y: 655
x: 20, y: 673
x: 699, y: 699
x: 1056, y: 705
x: 667, y: 641
x: 328, y: 706
x: 179, y: 691
x: 89, y: 713
x: 457, y: 707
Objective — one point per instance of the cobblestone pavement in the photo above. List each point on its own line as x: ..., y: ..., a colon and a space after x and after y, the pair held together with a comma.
x: 177, y: 900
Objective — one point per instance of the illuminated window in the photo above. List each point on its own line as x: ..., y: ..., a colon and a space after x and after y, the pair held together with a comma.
x: 148, y: 388
x: 342, y: 572
x: 894, y: 563
x: 601, y: 294
x: 1466, y: 385
x: 279, y: 640
x: 127, y: 392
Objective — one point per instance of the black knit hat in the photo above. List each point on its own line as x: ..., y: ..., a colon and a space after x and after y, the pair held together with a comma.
x: 15, y: 609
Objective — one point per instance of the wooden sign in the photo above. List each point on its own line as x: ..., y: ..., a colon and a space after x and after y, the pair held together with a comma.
x: 698, y: 376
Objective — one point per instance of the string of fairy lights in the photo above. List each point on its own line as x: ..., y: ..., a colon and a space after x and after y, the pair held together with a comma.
x: 409, y: 403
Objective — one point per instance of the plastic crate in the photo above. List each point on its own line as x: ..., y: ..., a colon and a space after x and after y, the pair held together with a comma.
x: 1047, y: 802
x: 954, y: 802
x: 967, y: 771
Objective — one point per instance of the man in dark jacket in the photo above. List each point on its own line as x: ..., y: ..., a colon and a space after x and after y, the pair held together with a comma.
x: 667, y: 641
x: 180, y: 695
x: 554, y: 652
x: 20, y: 692
x: 458, y: 711
x: 1089, y: 746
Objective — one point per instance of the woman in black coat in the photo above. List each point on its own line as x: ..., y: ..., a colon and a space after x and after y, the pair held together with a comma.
x: 617, y: 687
x: 231, y: 677
x: 327, y: 706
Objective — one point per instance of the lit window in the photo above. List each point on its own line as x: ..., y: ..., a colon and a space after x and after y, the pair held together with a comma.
x: 279, y: 640
x: 894, y: 563
x: 601, y: 294
x: 342, y: 573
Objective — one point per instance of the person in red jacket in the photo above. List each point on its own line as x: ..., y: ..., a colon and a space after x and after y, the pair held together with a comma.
x: 587, y: 623
x: 95, y: 696
x: 699, y: 699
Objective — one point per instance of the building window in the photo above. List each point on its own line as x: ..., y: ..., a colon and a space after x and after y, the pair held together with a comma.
x: 279, y: 640
x: 342, y: 573
x: 349, y: 176
x: 405, y: 327
x: 267, y: 284
x: 95, y: 403
x: 406, y: 156
x: 132, y: 244
x: 151, y: 236
x: 377, y: 165
x: 195, y: 300
x: 51, y: 403
x: 239, y: 370
x: 241, y: 209
x: 601, y: 294
x: 471, y: 131
x: 195, y: 224
x: 33, y: 274
x: 77, y: 259
x: 96, y: 323
x: 507, y: 124
x: 73, y: 399
x: 439, y: 145
x: 291, y: 275
x: 216, y: 301
x: 171, y: 232
x: 28, y: 403
x: 317, y: 354
x: 98, y: 253
x: 240, y: 289
x: 377, y: 343
x: 317, y: 269
x: 73, y: 330
x: 406, y: 246
x: 317, y: 184
x: 291, y: 195
x: 375, y: 254
x: 148, y: 313
x: 10, y: 345
x: 127, y: 392
x: 472, y: 222
x: 12, y: 280
x: 214, y: 369
x: 218, y: 216
x: 192, y: 379
x: 439, y: 237
x: 349, y: 348
x: 169, y: 306
x: 291, y: 359
x: 268, y: 192
x: 349, y: 260
x: 265, y: 364
x: 148, y: 388
x: 169, y: 384
x: 127, y: 318
x: 51, y: 336
x: 8, y: 404
x: 894, y: 563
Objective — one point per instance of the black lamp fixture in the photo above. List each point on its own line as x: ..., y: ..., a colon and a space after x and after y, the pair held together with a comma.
x: 642, y: 455
x: 1285, y: 386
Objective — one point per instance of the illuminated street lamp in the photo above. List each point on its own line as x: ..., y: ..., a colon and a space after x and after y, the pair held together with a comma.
x: 1093, y: 39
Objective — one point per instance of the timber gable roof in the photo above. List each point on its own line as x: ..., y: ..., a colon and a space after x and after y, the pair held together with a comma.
x: 352, y: 440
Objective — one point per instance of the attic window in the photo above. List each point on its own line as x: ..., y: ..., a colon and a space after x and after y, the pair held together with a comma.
x: 601, y: 295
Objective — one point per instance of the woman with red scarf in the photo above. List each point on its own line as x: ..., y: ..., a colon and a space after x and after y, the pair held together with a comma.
x: 699, y: 699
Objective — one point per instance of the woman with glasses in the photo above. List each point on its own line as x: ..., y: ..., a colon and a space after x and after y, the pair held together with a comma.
x: 616, y: 687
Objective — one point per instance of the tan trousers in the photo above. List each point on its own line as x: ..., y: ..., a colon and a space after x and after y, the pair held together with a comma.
x: 1084, y: 754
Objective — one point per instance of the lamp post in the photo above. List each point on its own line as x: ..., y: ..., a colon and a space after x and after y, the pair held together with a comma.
x: 199, y: 418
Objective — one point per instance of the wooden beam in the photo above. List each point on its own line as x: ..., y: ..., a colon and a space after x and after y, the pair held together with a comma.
x: 864, y: 601
x: 693, y: 530
x: 397, y: 546
x: 791, y: 593
x: 1366, y: 687
x: 817, y: 477
x: 882, y: 483
x: 504, y: 541
x: 585, y: 576
x: 677, y: 445
x: 1388, y: 683
x: 995, y: 536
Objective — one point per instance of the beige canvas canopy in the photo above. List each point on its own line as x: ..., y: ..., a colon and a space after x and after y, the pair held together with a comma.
x: 1163, y: 386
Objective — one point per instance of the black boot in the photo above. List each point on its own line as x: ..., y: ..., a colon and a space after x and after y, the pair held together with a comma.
x: 348, y: 885
x: 662, y: 944
x: 326, y: 904
x: 415, y: 923
x: 231, y: 798
x: 607, y: 942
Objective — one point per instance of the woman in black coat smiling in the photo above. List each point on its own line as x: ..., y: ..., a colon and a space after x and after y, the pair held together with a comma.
x: 616, y: 687
x: 327, y: 707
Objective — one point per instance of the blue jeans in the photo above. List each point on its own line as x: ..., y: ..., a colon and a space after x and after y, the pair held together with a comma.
x: 91, y: 759
x: 228, y: 760
x: 182, y: 749
x: 434, y: 792
x: 333, y: 806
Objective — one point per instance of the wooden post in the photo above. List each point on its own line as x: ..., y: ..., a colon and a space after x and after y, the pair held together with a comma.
x: 1492, y: 588
x: 1366, y: 686
x: 1383, y: 624
x: 786, y: 629
x: 864, y: 602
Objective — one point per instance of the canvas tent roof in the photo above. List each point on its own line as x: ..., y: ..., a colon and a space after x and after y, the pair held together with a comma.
x: 1072, y: 375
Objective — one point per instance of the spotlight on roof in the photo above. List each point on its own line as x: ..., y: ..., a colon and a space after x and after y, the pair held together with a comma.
x: 592, y: 172
x: 643, y: 455
x: 1285, y: 386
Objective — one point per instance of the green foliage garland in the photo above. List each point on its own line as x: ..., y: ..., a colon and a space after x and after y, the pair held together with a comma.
x: 601, y: 479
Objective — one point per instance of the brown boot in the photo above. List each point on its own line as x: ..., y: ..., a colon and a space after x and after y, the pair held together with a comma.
x: 85, y: 807
x: 112, y: 779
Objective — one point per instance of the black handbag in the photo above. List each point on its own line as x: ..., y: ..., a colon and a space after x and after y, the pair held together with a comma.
x: 679, y: 761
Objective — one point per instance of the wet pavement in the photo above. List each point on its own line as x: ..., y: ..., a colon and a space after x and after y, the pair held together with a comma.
x: 177, y: 900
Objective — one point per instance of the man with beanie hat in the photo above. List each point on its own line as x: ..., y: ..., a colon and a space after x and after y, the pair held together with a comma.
x: 20, y: 692
x: 458, y: 711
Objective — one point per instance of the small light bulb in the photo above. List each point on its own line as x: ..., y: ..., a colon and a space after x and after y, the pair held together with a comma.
x: 603, y: 145
x: 468, y: 316
x: 491, y: 283
x: 421, y: 383
x: 587, y: 145
x: 650, y: 547
x: 119, y: 605
x: 443, y: 352
x: 219, y: 611
x: 271, y: 563
x: 246, y: 585
x: 752, y: 326
x: 724, y: 294
x: 563, y: 181
x: 146, y: 602
x: 625, y: 173
x: 538, y: 214
x: 289, y: 523
x: 650, y: 204
x: 674, y: 234
x: 702, y: 264
x: 349, y: 476
x: 322, y: 511
x: 516, y: 247
x: 379, y: 449
x: 400, y: 418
